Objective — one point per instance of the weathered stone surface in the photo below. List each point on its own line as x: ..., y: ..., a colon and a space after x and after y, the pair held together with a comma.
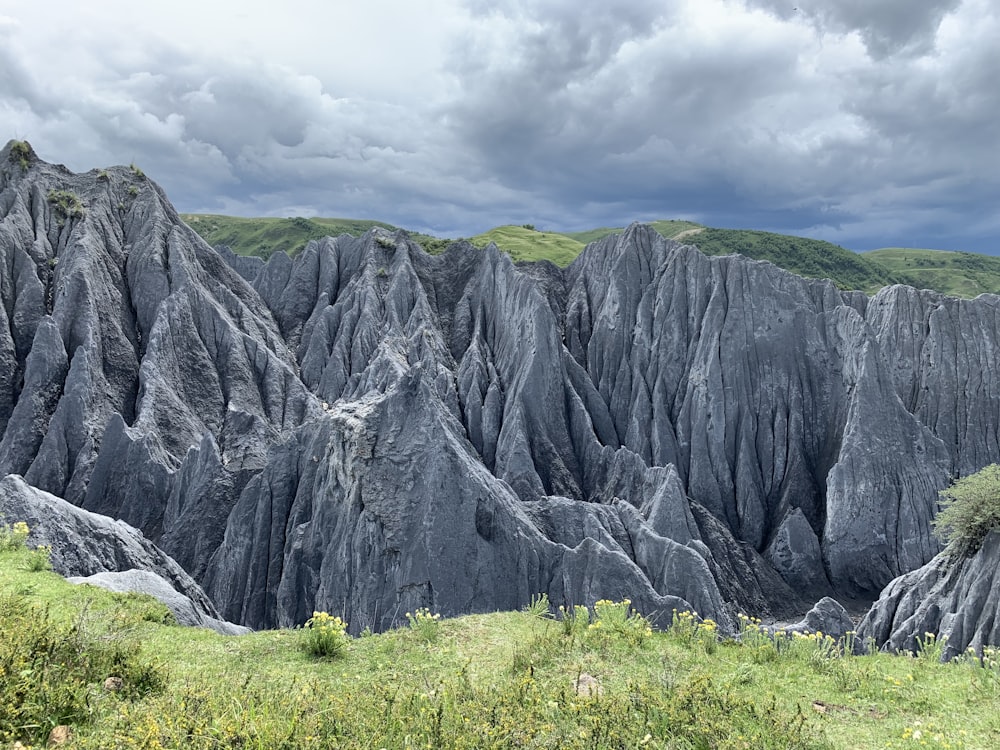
x: 795, y: 553
x: 828, y: 617
x: 957, y: 599
x: 85, y: 543
x: 185, y: 611
x: 368, y: 429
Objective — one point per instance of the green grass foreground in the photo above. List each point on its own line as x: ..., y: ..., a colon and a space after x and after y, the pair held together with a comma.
x: 483, y: 681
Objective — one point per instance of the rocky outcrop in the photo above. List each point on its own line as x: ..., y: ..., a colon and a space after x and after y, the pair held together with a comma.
x: 828, y: 617
x: 957, y: 599
x: 86, y: 544
x: 185, y: 611
x: 368, y: 429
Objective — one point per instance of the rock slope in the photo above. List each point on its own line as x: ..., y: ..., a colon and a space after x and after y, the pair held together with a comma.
x: 368, y: 429
x: 955, y: 600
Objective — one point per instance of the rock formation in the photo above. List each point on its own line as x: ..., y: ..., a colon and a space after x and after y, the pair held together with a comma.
x: 957, y: 599
x: 367, y: 429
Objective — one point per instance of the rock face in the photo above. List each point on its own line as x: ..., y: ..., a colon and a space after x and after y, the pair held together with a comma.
x: 957, y: 599
x: 86, y: 545
x: 183, y: 608
x: 367, y: 429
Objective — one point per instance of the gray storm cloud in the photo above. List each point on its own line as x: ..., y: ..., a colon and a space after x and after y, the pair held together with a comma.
x: 864, y: 123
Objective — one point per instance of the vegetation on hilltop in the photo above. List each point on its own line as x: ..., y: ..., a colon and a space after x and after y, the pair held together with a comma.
x: 573, y: 679
x: 264, y: 236
x: 961, y: 274
x: 958, y: 274
x: 811, y: 258
x: 527, y: 244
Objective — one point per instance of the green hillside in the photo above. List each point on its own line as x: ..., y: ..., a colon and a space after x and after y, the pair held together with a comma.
x: 960, y: 274
x: 668, y: 228
x: 528, y: 244
x: 812, y: 258
x: 263, y: 236
x: 112, y: 672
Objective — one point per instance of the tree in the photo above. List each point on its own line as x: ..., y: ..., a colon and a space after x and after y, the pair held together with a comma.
x: 970, y: 509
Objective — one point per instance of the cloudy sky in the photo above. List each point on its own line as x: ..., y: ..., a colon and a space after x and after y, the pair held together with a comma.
x: 864, y: 122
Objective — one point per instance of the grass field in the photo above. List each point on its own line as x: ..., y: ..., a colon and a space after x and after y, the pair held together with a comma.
x: 517, y: 679
x: 960, y: 274
x: 528, y: 244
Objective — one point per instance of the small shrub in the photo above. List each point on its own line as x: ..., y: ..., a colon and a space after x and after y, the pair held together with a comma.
x: 620, y: 619
x: 136, y: 171
x: 326, y: 635
x: 424, y: 624
x: 689, y: 629
x: 103, y: 175
x: 930, y: 647
x: 133, y: 190
x: 574, y: 619
x: 66, y: 204
x: 970, y: 509
x: 538, y: 606
x: 39, y: 559
x: 387, y: 242
x: 12, y: 537
x: 20, y: 152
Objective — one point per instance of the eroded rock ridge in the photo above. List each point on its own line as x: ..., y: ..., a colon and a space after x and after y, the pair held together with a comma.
x: 368, y: 429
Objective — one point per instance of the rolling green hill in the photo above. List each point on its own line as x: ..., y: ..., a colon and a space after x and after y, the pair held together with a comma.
x: 527, y: 244
x: 960, y: 274
x: 264, y: 236
x: 812, y: 258
x: 956, y: 273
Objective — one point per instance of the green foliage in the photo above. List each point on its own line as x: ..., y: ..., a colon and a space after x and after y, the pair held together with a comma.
x: 491, y: 681
x: 326, y: 635
x: 264, y: 236
x: 620, y: 621
x: 136, y: 171
x: 425, y: 624
x: 13, y: 536
x: 574, y: 620
x: 66, y: 205
x: 806, y: 257
x: 528, y: 245
x: 539, y: 606
x: 40, y: 558
x: 959, y: 274
x: 930, y: 647
x: 970, y: 509
x: 20, y: 152
x: 49, y: 671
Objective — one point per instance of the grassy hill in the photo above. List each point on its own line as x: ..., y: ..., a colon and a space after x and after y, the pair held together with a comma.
x: 960, y: 274
x: 517, y: 679
x: 811, y: 258
x: 528, y: 244
x: 264, y: 236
